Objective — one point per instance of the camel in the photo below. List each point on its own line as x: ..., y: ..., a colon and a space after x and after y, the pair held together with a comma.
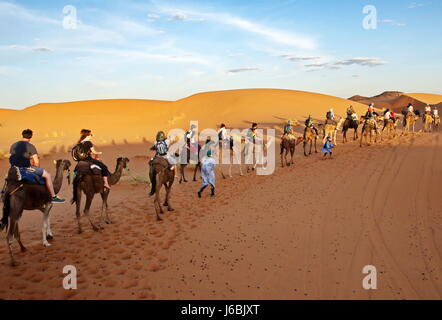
x: 410, y: 122
x: 91, y: 184
x: 369, y: 126
x: 428, y: 123
x: 350, y: 124
x: 235, y: 158
x: 391, y: 127
x: 184, y: 162
x: 288, y: 144
x: 21, y: 196
x: 310, y: 136
x: 160, y: 174
x: 331, y: 130
x: 436, y: 123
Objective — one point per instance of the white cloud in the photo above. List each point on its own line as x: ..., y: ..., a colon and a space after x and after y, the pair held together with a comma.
x: 275, y: 35
x: 295, y: 57
x: 243, y: 69
x: 369, y: 62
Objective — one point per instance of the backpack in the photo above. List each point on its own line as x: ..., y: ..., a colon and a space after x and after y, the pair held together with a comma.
x: 78, y: 153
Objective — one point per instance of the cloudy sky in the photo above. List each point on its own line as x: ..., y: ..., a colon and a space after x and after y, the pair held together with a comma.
x: 171, y: 49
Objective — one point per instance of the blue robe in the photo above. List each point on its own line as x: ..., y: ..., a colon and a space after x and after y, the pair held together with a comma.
x: 208, y: 171
x: 327, y: 148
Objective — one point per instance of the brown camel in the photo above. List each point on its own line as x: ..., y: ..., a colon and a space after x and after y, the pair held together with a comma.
x: 21, y: 196
x: 436, y: 123
x: 410, y: 122
x: 185, y: 161
x: 350, y: 124
x: 390, y: 127
x: 369, y: 126
x: 428, y: 123
x: 310, y: 136
x: 288, y: 144
x: 160, y: 174
x: 91, y: 184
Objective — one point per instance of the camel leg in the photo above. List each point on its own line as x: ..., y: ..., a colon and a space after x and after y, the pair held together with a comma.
x: 86, y: 211
x: 168, y: 192
x: 157, y: 204
x: 78, y: 210
x: 198, y: 166
x: 316, y: 145
x: 44, y: 230
x: 10, y: 239
x: 105, y: 207
x: 17, y: 236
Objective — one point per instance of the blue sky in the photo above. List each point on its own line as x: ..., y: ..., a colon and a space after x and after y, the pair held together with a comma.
x: 171, y: 49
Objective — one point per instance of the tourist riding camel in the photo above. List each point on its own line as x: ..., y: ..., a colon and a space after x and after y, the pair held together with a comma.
x: 223, y: 137
x: 25, y: 157
x: 330, y: 117
x: 85, y: 151
x: 350, y: 113
x: 161, y: 148
x: 162, y: 172
x: 387, y: 117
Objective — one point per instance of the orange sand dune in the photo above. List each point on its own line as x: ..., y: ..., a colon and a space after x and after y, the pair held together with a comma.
x: 56, y: 125
x: 427, y: 97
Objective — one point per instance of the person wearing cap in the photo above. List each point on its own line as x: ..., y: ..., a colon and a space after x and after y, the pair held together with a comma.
x: 328, y: 146
x: 161, y: 148
x: 208, y: 165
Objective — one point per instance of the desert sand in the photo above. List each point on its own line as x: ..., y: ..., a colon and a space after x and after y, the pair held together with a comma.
x: 305, y: 232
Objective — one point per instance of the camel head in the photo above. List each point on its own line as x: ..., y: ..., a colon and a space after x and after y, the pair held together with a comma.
x: 64, y: 165
x: 123, y: 162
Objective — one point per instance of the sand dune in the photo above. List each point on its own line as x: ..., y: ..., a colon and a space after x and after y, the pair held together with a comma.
x: 398, y: 101
x: 132, y: 121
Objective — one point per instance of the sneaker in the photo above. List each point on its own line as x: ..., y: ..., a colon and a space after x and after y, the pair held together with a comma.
x: 57, y: 199
x: 199, y: 194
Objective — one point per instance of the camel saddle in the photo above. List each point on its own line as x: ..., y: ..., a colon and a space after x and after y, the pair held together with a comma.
x: 160, y: 161
x: 87, y: 168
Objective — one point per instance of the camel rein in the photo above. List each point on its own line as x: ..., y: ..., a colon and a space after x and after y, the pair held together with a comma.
x: 16, y: 189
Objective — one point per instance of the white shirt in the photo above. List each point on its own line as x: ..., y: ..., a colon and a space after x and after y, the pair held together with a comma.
x: 387, y: 116
x: 435, y: 112
x: 410, y: 109
x: 223, y: 132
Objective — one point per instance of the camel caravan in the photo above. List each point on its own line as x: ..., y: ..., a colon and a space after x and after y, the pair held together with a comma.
x: 29, y: 187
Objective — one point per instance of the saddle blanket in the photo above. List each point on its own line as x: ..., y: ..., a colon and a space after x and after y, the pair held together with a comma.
x: 29, y: 175
x: 85, y: 167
